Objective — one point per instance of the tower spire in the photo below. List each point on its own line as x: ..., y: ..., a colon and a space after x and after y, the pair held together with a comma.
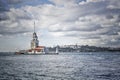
x: 34, y: 26
x: 35, y: 41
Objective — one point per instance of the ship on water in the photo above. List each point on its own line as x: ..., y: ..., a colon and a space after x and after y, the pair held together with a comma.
x: 35, y: 48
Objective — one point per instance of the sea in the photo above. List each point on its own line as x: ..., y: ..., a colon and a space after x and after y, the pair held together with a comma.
x: 64, y: 66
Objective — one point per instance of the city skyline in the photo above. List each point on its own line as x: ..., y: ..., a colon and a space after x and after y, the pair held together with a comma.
x: 59, y: 22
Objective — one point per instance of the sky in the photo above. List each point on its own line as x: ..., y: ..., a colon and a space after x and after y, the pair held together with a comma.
x: 59, y: 22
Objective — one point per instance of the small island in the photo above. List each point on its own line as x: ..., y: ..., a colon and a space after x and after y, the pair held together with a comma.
x: 35, y: 48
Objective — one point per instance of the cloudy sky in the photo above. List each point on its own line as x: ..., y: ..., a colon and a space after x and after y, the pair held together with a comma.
x: 58, y: 22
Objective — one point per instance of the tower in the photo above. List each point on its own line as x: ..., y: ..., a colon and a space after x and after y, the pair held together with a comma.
x: 35, y: 41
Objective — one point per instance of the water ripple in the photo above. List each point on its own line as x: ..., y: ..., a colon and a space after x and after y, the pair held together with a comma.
x: 82, y: 66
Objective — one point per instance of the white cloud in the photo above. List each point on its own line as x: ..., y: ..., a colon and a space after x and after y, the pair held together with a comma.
x: 90, y: 1
x: 65, y: 3
x: 114, y: 4
x: 90, y: 21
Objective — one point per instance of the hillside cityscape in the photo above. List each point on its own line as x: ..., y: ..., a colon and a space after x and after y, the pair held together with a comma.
x: 83, y: 48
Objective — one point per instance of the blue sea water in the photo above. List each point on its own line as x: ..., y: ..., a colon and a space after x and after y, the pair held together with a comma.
x: 65, y: 66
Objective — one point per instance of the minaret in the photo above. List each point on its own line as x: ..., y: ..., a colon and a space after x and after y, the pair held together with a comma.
x: 35, y: 41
